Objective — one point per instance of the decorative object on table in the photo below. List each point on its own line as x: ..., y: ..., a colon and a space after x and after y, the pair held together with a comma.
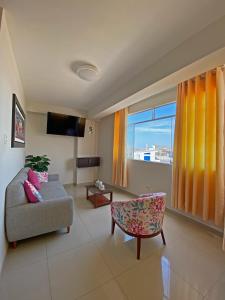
x: 37, y: 163
x: 140, y: 218
x: 18, y: 124
x: 97, y: 196
x: 99, y: 184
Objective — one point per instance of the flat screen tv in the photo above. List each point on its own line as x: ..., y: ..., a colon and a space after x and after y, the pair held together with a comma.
x: 65, y: 125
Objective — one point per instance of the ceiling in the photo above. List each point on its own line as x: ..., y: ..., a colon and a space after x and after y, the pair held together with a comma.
x: 122, y: 38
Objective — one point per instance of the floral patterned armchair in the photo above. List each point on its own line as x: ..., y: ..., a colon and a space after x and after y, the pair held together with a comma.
x: 141, y: 217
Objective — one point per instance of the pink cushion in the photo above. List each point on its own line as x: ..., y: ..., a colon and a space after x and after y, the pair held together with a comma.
x: 33, y: 178
x: 32, y: 193
x: 42, y: 176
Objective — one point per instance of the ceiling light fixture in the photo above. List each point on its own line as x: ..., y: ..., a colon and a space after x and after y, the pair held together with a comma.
x: 87, y: 72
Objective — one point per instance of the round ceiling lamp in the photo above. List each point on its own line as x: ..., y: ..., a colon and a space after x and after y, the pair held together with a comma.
x: 87, y: 72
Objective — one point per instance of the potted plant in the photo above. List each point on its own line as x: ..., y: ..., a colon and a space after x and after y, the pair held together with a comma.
x: 37, y: 163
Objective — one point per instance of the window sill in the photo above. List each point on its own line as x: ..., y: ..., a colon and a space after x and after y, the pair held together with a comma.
x: 151, y: 162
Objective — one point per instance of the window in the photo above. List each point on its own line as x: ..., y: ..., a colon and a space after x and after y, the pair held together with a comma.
x: 150, y: 134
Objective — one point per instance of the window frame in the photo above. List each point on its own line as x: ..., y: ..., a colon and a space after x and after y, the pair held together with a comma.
x: 149, y: 120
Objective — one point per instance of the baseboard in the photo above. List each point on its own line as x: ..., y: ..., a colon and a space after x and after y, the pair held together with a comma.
x: 69, y: 184
x: 207, y: 225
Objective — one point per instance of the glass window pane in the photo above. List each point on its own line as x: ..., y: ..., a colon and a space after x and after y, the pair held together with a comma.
x: 130, y: 141
x: 154, y: 140
x: 141, y: 116
x: 165, y: 110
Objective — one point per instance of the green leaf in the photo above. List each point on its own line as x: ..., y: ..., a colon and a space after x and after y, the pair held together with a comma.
x: 37, y: 158
x: 29, y: 156
x: 37, y: 163
x: 29, y: 165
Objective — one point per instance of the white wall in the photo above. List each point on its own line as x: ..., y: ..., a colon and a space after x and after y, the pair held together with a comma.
x: 11, y: 160
x: 88, y: 146
x: 153, y: 101
x: 105, y: 142
x: 149, y: 177
x: 62, y: 150
x: 40, y: 107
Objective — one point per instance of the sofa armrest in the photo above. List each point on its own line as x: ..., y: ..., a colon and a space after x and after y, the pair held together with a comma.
x: 53, y: 177
x: 38, y: 218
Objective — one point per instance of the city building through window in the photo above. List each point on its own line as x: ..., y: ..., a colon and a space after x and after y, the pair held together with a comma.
x: 150, y: 134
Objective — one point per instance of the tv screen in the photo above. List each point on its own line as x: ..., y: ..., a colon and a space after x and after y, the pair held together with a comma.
x: 65, y: 125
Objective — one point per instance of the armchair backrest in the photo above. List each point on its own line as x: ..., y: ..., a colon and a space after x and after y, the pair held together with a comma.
x: 141, y: 216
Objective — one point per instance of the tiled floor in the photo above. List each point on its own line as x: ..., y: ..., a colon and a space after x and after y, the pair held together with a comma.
x: 90, y: 264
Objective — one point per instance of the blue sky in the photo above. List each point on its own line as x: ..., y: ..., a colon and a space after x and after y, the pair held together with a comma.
x: 158, y: 132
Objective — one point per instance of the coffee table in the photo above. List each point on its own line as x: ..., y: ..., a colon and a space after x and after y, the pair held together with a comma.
x: 96, y: 196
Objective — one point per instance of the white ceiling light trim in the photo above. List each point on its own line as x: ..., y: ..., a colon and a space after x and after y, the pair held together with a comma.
x: 88, y: 72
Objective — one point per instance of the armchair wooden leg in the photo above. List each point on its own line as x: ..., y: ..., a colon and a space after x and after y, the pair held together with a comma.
x: 113, y: 226
x: 163, y: 237
x: 68, y: 229
x: 138, y: 247
x: 14, y: 244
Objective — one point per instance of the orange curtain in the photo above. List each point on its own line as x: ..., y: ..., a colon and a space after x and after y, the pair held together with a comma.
x: 119, y: 148
x: 198, y: 167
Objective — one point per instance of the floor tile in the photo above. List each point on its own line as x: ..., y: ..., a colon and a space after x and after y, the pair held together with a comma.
x: 195, y: 266
x: 108, y: 291
x: 90, y: 263
x: 3, y: 291
x: 57, y: 242
x: 119, y: 250
x: 217, y: 292
x: 27, y: 283
x: 27, y: 252
x: 195, y: 233
x: 97, y: 221
x: 154, y: 279
x: 76, y: 272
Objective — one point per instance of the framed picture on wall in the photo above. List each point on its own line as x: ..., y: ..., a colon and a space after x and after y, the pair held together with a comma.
x: 18, y: 124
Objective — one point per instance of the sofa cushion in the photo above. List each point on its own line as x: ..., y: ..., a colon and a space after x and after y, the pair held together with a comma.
x: 42, y: 176
x: 32, y: 193
x: 33, y: 179
x: 52, y: 190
